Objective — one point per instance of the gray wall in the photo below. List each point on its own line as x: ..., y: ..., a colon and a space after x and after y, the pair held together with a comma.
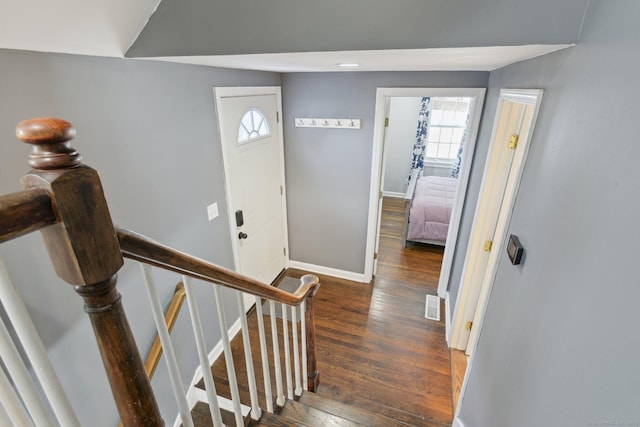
x: 150, y: 130
x: 399, y: 141
x: 329, y: 171
x: 558, y: 347
x: 206, y: 27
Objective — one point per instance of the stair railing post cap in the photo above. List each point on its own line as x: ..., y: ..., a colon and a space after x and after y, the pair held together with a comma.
x: 50, y: 139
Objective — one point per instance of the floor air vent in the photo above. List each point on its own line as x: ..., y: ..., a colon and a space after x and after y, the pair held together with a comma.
x: 432, y: 310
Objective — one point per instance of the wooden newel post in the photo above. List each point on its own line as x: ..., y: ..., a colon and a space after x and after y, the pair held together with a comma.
x: 313, y: 376
x: 85, y: 252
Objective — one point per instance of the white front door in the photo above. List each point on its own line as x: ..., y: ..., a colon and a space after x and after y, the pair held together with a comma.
x: 252, y: 149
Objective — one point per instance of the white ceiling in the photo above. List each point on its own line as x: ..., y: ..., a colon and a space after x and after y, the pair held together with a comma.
x: 441, y: 59
x: 109, y: 27
x: 95, y: 27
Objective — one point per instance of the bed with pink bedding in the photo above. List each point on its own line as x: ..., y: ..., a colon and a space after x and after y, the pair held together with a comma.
x: 429, y: 202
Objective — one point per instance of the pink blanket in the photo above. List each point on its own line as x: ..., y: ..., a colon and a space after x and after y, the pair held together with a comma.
x: 431, y: 208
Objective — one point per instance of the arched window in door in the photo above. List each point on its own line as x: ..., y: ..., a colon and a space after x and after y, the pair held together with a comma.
x: 254, y: 125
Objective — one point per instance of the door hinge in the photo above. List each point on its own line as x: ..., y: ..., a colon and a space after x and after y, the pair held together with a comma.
x: 284, y: 250
x: 380, y: 195
x: 513, y: 141
x: 487, y: 245
x: 277, y: 116
x: 281, y: 191
x: 386, y: 122
x: 375, y: 255
x: 468, y: 326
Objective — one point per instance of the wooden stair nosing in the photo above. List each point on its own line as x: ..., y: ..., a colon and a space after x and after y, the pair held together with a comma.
x: 308, y: 415
x: 350, y: 412
x: 276, y: 420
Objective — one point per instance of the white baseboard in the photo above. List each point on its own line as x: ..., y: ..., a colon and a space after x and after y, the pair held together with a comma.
x: 457, y: 422
x: 393, y: 194
x: 328, y: 271
x: 447, y: 318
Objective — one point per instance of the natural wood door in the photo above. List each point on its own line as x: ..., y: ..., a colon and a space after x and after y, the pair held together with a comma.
x: 503, y: 169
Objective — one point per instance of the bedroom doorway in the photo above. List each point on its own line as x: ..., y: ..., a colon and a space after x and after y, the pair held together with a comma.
x: 383, y: 103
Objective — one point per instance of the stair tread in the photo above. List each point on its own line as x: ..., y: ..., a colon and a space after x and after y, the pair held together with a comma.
x: 277, y: 420
x: 313, y: 417
x: 202, y: 416
x: 356, y: 414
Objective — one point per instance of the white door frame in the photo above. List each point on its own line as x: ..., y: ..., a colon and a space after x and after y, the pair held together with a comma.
x: 228, y: 92
x: 531, y: 97
x: 469, y: 307
x: 373, y: 228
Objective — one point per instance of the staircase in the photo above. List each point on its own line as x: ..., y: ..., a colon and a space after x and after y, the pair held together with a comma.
x: 310, y: 410
x: 267, y: 374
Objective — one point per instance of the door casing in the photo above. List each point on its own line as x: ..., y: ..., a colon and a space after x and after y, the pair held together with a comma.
x: 530, y: 97
x: 471, y: 302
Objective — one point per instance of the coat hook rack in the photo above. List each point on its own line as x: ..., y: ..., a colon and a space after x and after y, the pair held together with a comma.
x: 327, y: 123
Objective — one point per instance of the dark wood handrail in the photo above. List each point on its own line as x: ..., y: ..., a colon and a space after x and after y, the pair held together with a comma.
x: 24, y: 212
x: 64, y: 199
x: 82, y: 243
x: 142, y: 249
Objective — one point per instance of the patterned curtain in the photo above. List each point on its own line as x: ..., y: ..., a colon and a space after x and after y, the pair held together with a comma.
x: 455, y: 171
x: 417, y: 160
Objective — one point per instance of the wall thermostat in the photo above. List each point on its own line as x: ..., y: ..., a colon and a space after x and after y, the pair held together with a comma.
x: 514, y: 250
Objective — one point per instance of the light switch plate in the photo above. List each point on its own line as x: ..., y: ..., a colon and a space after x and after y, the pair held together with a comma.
x: 212, y: 211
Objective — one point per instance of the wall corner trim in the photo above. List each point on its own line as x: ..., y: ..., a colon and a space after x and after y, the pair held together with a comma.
x: 328, y: 271
x: 447, y: 318
x: 457, y: 422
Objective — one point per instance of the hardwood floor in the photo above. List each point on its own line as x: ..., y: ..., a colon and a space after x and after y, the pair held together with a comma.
x: 375, y: 348
x: 459, y: 362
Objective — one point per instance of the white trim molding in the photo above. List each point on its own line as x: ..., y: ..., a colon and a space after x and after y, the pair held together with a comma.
x: 447, y: 318
x: 393, y: 194
x: 457, y: 422
x: 328, y: 271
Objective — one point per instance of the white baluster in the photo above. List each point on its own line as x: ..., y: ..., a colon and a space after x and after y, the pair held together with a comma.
x: 167, y: 346
x: 303, y: 334
x: 287, y: 355
x: 296, y: 349
x: 251, y: 375
x: 265, y: 357
x: 13, y: 407
x: 276, y: 355
x: 196, y: 324
x: 35, y: 350
x: 22, y: 380
x: 4, y: 417
x: 228, y: 358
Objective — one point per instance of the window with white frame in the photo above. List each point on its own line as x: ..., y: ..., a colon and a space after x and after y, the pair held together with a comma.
x: 253, y: 125
x: 447, y: 125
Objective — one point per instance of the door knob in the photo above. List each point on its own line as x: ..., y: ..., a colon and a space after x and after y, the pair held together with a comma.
x: 242, y: 235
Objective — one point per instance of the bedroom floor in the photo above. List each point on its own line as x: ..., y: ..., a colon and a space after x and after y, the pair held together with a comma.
x: 376, y: 348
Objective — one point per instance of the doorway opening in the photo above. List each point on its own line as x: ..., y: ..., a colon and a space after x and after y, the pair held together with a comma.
x: 384, y: 99
x: 511, y: 136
